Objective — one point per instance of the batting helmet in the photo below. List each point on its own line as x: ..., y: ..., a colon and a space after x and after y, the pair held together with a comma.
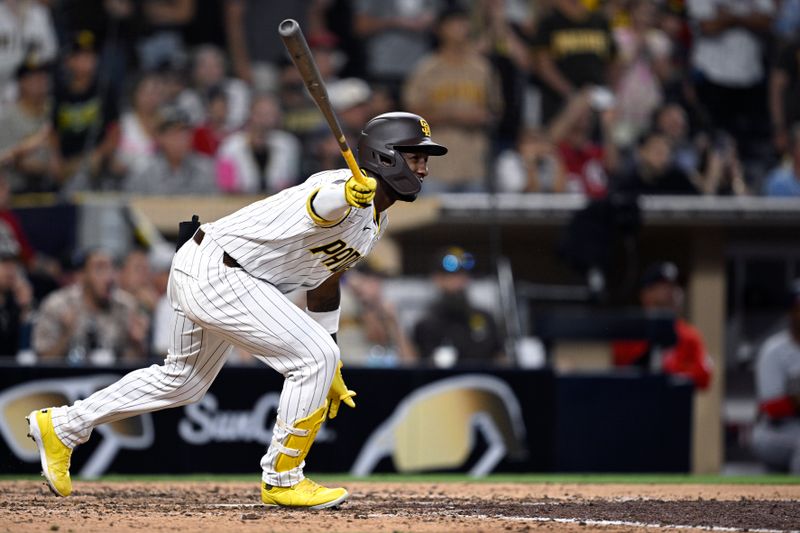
x: 380, y: 148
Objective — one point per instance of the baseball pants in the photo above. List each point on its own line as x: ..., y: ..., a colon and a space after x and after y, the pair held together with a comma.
x: 217, y: 306
x: 778, y: 444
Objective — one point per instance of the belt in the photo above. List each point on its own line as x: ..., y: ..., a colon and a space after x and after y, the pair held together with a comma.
x: 227, y: 260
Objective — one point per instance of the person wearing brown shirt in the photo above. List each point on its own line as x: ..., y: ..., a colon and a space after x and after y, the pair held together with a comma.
x: 456, y: 90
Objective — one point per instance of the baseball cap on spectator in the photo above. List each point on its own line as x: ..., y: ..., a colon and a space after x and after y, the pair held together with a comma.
x: 664, y: 271
x: 82, y: 41
x: 348, y: 93
x: 172, y: 117
x: 32, y: 65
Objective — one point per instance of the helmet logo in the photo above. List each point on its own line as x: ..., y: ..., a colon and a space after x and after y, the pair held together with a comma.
x: 426, y: 130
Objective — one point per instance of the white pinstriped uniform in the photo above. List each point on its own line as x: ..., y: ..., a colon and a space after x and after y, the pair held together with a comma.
x: 217, y: 306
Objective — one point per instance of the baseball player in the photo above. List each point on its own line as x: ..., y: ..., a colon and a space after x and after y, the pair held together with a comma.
x: 228, y: 286
x: 776, y: 435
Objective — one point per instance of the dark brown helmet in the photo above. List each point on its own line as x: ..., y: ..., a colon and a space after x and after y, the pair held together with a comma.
x: 380, y: 148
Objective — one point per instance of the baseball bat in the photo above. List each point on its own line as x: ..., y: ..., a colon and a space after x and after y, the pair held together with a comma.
x: 296, y: 44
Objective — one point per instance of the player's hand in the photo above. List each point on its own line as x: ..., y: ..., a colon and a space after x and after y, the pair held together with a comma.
x: 339, y: 393
x: 360, y: 195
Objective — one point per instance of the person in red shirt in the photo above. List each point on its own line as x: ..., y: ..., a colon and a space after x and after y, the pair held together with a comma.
x: 660, y: 292
x: 207, y: 137
x: 588, y: 161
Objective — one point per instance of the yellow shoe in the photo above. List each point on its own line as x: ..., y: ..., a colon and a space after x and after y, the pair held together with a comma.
x: 306, y: 495
x: 54, y: 455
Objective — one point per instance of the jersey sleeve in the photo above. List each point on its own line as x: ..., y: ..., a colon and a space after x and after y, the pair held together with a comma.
x: 326, y: 205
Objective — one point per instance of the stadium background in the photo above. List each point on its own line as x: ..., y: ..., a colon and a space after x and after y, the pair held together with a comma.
x: 558, y: 259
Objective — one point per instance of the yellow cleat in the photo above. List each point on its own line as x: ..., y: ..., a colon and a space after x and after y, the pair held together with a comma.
x: 54, y: 455
x: 304, y: 495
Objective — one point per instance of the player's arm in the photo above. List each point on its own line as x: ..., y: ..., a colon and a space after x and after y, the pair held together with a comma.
x: 330, y: 204
x: 322, y: 304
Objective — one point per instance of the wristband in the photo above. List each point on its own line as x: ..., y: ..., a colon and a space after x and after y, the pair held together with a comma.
x: 327, y: 319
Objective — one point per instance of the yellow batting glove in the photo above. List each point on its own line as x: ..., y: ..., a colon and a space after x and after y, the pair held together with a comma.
x: 358, y: 194
x: 339, y: 393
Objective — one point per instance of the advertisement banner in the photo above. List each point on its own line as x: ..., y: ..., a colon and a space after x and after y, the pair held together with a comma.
x: 409, y: 420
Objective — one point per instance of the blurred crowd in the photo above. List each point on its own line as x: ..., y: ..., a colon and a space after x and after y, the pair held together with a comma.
x: 172, y: 97
x: 582, y: 96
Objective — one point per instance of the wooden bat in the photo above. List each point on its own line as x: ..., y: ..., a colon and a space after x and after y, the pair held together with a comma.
x: 296, y: 44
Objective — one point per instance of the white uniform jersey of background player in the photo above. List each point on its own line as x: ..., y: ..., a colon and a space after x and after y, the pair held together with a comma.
x: 227, y: 286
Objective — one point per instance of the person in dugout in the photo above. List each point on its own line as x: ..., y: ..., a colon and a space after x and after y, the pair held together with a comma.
x: 660, y: 291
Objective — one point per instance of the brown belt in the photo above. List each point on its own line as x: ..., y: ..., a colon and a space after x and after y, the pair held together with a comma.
x: 226, y: 259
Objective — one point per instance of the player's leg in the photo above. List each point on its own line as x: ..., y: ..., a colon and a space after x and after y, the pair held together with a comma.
x: 194, y: 360
x: 255, y: 316
x: 778, y: 444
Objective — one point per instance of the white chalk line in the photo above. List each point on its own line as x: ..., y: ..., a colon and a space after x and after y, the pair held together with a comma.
x: 625, y: 523
x: 592, y: 522
x: 587, y: 521
x: 225, y: 505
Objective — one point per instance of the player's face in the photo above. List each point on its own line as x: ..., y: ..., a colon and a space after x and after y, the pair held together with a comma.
x: 418, y: 163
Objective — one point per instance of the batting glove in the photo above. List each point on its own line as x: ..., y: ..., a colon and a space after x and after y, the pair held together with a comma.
x: 339, y: 393
x: 358, y: 194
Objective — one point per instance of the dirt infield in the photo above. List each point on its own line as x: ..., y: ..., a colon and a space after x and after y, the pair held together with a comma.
x: 219, y: 506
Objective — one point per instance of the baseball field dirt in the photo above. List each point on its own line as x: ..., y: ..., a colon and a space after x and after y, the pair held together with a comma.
x: 123, y: 506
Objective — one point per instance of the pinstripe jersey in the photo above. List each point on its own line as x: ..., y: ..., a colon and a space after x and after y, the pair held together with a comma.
x: 276, y: 240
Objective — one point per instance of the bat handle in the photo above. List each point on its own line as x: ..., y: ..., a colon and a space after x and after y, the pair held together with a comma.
x: 358, y: 174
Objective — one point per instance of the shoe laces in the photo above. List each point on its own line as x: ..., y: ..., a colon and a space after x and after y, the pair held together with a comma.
x: 309, y: 486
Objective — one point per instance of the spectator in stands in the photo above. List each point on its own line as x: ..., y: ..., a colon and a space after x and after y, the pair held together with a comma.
x: 208, y: 75
x: 397, y: 35
x: 16, y: 296
x: 161, y: 37
x: 588, y: 163
x: 784, y: 180
x: 136, y: 278
x: 712, y: 164
x: 671, y: 120
x: 138, y: 126
x: 84, y: 116
x: 261, y: 158
x: 351, y: 98
x: 784, y: 86
x: 176, y: 168
x: 453, y: 330
x: 91, y: 320
x: 301, y: 117
x: 353, y: 102
x: 534, y: 166
x: 161, y: 334
x: 720, y: 171
x: 776, y: 436
x: 254, y: 46
x: 10, y: 225
x: 659, y: 293
x: 373, y: 332
x: 653, y: 170
x: 207, y: 137
x: 573, y: 48
x: 645, y: 64
x: 456, y: 90
x: 24, y: 136
x: 727, y: 55
x: 26, y: 32
x: 786, y: 22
